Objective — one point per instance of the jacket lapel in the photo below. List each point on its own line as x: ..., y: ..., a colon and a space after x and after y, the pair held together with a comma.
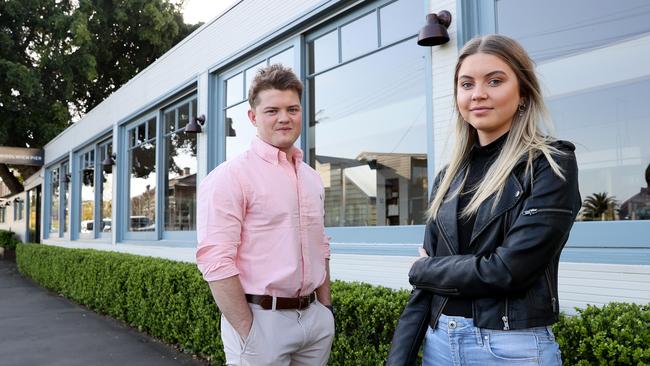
x: 447, y: 219
x: 512, y: 193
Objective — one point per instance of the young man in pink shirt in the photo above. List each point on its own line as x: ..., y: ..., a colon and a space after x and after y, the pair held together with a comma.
x: 261, y: 238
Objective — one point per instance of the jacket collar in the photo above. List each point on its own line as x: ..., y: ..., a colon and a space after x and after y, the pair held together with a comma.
x: 271, y: 153
x: 512, y: 193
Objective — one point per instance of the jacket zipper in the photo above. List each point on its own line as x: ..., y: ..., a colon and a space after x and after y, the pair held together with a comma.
x: 444, y: 303
x: 535, y: 211
x: 550, y: 290
x: 506, y: 324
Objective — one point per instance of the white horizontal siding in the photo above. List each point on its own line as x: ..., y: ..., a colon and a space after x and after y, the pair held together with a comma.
x: 579, y: 283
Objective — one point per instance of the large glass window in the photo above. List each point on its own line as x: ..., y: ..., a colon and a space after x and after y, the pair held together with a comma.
x: 19, y: 209
x: 239, y: 130
x: 54, y: 202
x: 180, y: 168
x: 86, y: 176
x: 106, y: 187
x: 601, y: 108
x: 34, y: 216
x: 65, y: 194
x: 367, y: 120
x: 142, y: 182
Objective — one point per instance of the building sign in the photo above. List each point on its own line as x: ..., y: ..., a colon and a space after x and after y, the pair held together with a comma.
x: 21, y: 156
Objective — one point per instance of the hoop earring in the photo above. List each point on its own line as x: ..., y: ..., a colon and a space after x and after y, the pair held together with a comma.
x: 522, y: 109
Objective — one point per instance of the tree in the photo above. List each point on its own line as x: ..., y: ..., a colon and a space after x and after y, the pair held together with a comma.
x: 60, y: 58
x: 599, y: 206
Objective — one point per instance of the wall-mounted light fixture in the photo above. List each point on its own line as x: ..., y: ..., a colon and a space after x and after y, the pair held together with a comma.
x: 109, y: 162
x: 434, y: 33
x: 195, y: 125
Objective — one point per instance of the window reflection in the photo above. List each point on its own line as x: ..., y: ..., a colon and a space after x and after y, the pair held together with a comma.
x: 601, y: 108
x: 34, y: 215
x: 54, y: 202
x: 235, y: 89
x: 180, y: 171
x: 87, y: 179
x: 397, y: 20
x: 142, y: 187
x: 180, y: 196
x: 368, y: 127
x: 284, y: 58
x: 239, y: 130
x: 324, y: 51
x: 65, y: 191
x: 106, y: 191
x: 359, y: 37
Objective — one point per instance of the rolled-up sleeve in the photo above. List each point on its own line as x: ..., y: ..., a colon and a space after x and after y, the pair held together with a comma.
x: 221, y: 206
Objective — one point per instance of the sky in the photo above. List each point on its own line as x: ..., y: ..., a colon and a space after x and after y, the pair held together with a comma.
x: 204, y: 10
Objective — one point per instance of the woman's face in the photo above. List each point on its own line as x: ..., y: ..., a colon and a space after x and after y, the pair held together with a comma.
x: 487, y: 95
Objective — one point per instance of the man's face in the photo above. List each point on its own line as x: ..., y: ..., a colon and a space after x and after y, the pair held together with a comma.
x: 277, y: 117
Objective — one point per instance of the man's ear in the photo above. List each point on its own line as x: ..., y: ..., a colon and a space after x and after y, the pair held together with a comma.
x: 252, y: 117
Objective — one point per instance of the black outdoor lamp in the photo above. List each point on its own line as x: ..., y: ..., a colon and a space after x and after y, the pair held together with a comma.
x: 434, y: 33
x: 109, y: 162
x: 195, y: 124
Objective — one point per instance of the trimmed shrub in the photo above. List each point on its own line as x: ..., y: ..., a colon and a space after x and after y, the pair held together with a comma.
x: 8, y: 240
x: 170, y: 301
x: 615, y: 334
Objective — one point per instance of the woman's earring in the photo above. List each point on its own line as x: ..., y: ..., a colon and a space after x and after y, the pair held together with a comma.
x: 522, y: 109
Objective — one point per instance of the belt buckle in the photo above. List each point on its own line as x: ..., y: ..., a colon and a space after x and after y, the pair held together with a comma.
x: 303, y: 302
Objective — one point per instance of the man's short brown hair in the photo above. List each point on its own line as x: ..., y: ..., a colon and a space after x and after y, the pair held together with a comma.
x: 275, y: 76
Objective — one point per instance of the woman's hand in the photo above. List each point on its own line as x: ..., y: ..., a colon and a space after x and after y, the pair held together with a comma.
x: 423, y: 253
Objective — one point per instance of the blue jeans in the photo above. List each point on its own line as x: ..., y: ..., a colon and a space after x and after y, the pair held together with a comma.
x: 456, y: 341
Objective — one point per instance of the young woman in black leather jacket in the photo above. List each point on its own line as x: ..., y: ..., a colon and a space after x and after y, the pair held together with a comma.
x: 485, y: 286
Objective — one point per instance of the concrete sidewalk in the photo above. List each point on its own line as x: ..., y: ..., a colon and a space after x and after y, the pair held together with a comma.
x: 38, y: 327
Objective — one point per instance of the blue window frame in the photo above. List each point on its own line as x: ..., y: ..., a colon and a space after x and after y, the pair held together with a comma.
x: 139, y: 179
x: 178, y: 176
x: 384, y: 179
x: 234, y: 132
x: 57, y: 178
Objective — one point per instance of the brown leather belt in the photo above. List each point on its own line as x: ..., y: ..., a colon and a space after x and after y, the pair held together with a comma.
x: 281, y: 303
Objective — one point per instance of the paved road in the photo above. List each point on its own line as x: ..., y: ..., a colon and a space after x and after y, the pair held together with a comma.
x: 38, y: 327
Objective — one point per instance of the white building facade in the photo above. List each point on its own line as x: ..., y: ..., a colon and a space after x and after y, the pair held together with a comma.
x: 378, y: 115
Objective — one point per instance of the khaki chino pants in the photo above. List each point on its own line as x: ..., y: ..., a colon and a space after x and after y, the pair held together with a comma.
x: 281, y: 337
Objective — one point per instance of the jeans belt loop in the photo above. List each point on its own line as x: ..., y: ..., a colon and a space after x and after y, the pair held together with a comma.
x: 275, y: 302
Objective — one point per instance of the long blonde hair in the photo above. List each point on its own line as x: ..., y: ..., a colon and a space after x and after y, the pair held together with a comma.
x: 530, y: 133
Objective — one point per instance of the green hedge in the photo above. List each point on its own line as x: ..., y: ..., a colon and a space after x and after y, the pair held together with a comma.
x: 616, y: 334
x: 170, y: 301
x: 8, y: 240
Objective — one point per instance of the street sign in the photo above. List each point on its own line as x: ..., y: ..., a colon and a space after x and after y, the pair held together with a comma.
x: 21, y: 156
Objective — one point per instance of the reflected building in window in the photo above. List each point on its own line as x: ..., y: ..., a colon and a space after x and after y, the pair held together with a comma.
x: 374, y: 189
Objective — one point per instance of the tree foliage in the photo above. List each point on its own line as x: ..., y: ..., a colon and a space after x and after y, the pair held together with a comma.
x: 60, y: 58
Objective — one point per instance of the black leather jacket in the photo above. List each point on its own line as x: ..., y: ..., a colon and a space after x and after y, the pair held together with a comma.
x: 512, y: 278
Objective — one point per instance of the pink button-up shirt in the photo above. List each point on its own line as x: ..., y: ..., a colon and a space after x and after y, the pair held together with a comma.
x: 261, y: 218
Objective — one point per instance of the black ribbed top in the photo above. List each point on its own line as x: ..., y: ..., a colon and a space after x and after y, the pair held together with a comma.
x: 481, y: 159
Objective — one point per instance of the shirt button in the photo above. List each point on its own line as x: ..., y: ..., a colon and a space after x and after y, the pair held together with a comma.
x: 452, y: 324
x: 517, y: 193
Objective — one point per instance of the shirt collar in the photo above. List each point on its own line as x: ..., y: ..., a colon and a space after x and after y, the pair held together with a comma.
x: 271, y: 153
